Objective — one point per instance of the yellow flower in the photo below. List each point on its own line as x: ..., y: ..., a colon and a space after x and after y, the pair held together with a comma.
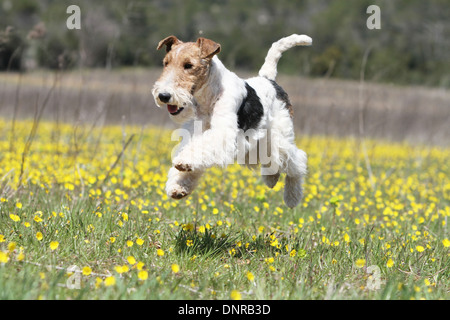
x: 390, y: 263
x: 250, y: 276
x: 140, y: 265
x: 54, y: 245
x: 346, y: 238
x: 11, y: 246
x: 160, y: 252
x: 235, y: 295
x: 18, y: 205
x: 87, y: 271
x: 98, y: 282
x: 139, y: 241
x: 20, y: 256
x: 2, y: 238
x: 175, y: 268
x: 121, y: 269
x: 325, y: 240
x: 131, y: 260
x: 14, y: 217
x: 293, y: 253
x: 110, y: 281
x: 143, y: 275
x: 189, y: 243
x: 269, y: 260
x: 446, y: 243
x: 129, y: 243
x: 420, y: 248
x: 3, y: 257
x: 360, y: 263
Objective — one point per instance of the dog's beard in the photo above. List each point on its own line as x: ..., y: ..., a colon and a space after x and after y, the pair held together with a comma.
x: 180, y: 106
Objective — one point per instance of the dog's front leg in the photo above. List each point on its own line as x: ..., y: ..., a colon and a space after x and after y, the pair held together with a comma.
x: 215, y: 147
x: 180, y: 184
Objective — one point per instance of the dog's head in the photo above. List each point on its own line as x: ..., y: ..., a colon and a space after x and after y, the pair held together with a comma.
x: 186, y: 70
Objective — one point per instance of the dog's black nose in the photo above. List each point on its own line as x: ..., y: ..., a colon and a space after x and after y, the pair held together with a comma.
x: 164, y: 97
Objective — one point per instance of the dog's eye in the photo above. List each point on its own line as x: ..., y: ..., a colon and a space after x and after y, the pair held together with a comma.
x: 187, y: 66
x: 165, y: 63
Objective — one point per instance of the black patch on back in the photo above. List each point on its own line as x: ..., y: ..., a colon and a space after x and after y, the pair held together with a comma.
x: 281, y: 94
x: 251, y: 110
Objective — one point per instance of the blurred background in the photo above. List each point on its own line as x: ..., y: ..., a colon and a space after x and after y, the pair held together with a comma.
x: 390, y: 83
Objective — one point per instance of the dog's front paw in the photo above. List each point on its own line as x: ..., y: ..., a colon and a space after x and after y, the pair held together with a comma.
x: 177, y: 192
x: 182, y: 166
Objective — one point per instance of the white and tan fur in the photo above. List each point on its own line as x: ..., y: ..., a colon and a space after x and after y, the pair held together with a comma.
x: 197, y: 88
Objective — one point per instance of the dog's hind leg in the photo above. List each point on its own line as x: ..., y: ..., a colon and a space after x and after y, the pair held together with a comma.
x: 271, y: 179
x: 295, y: 173
x: 270, y: 169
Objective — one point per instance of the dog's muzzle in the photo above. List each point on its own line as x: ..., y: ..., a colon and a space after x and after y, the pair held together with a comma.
x: 165, y: 97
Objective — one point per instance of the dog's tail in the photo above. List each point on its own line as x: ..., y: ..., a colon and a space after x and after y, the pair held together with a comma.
x: 269, y: 68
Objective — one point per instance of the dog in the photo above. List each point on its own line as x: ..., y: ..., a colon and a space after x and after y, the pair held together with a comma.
x: 228, y: 117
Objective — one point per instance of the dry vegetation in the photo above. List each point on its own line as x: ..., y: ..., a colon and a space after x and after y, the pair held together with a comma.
x: 322, y: 106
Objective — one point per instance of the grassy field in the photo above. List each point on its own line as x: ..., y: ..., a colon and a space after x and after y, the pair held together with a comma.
x: 83, y: 215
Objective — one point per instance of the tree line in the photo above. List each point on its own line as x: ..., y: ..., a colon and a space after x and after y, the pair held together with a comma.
x: 412, y: 46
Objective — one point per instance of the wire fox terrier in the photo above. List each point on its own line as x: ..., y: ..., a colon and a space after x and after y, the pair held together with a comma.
x: 228, y: 118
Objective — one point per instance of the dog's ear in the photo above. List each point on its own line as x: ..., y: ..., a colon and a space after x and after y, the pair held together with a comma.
x: 168, y: 42
x: 208, y: 48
